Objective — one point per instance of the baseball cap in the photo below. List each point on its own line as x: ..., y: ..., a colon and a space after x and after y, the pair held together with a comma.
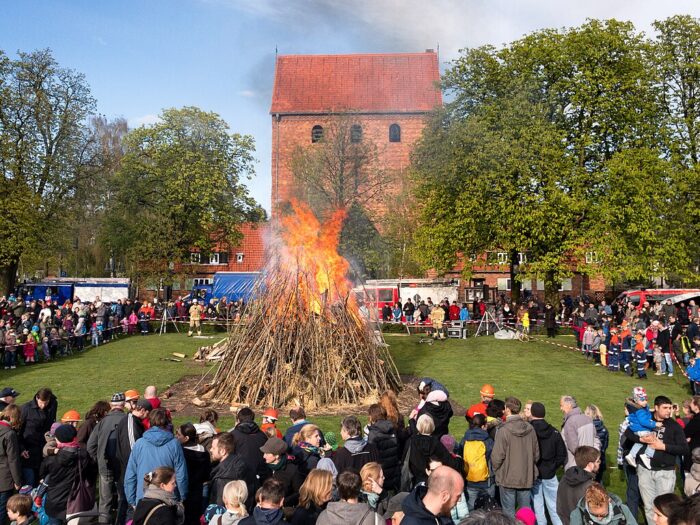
x: 274, y: 446
x: 9, y: 392
x: 118, y: 397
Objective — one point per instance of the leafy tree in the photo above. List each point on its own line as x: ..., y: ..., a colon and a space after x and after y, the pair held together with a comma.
x: 46, y: 151
x: 178, y: 187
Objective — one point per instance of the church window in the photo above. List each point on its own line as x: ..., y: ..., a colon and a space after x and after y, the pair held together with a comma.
x: 394, y: 133
x: 316, y: 133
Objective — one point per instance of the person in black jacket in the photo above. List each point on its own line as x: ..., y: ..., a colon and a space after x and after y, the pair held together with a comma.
x: 434, y: 402
x: 37, y: 417
x: 552, y: 456
x: 314, y: 495
x: 669, y: 443
x: 59, y: 471
x: 159, y: 506
x: 282, y: 469
x: 230, y: 466
x: 423, y: 446
x: 430, y: 504
x: 198, y: 471
x: 247, y: 440
x: 381, y: 434
x: 356, y: 451
x: 10, y: 467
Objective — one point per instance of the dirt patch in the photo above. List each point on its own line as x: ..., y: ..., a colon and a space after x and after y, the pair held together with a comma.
x: 181, y: 394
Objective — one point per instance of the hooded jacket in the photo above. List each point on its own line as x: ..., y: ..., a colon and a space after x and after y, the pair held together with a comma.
x: 247, y: 439
x: 35, y: 423
x: 355, y: 453
x: 261, y: 516
x: 515, y: 453
x: 552, y: 449
x: 415, y: 512
x: 383, y: 436
x: 62, y: 469
x: 572, y: 487
x: 420, y: 449
x: 578, y: 430
x: 441, y: 412
x: 621, y: 515
x: 198, y: 473
x: 97, y: 443
x: 344, y: 513
x: 157, y: 448
x: 10, y: 467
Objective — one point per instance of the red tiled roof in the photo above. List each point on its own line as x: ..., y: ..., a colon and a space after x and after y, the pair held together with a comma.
x: 386, y: 83
x: 252, y: 247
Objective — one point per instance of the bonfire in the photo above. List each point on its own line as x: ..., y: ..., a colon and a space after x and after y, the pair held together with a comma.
x: 304, y: 339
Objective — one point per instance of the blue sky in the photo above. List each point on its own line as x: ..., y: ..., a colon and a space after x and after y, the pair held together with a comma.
x: 140, y: 56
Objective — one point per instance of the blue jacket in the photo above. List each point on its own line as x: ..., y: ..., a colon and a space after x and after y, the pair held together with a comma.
x: 157, y: 448
x: 464, y: 314
x: 641, y: 420
x: 694, y: 371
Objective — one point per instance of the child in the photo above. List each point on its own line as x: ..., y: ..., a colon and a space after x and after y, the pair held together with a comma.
x: 269, y: 420
x: 125, y: 325
x: 45, y: 348
x: 587, y: 347
x: 95, y: 334
x: 626, y: 348
x: 686, y: 348
x: 10, y: 349
x: 29, y: 347
x: 55, y: 342
x: 642, y: 424
x: 640, y: 356
x: 396, y: 313
x: 658, y: 358
x: 614, y: 351
x: 526, y: 322
x: 133, y: 319
x: 19, y: 509
x: 595, y: 347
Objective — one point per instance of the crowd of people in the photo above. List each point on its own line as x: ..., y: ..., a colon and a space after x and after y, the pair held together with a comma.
x: 125, y: 462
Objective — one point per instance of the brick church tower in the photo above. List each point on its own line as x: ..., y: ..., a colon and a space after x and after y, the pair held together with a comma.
x: 388, y: 95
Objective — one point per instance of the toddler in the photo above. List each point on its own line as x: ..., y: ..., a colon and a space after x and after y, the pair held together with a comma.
x: 642, y: 424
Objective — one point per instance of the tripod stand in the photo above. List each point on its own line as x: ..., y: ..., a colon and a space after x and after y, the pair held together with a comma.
x: 485, y: 324
x: 164, y: 323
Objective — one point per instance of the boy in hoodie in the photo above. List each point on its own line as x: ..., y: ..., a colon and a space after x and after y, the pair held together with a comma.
x: 19, y: 509
x: 598, y: 507
x: 576, y: 480
x: 349, y: 509
x: 515, y: 453
x: 476, y: 448
x: 642, y: 423
x: 552, y: 456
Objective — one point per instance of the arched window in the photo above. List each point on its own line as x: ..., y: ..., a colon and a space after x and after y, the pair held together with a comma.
x: 355, y: 133
x: 394, y: 133
x: 316, y: 133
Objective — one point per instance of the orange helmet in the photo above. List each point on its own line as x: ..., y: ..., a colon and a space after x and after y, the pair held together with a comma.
x: 71, y: 415
x: 131, y: 394
x: 271, y: 413
x: 487, y: 390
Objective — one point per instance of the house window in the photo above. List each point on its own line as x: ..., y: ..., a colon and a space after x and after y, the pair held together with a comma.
x: 355, y: 134
x: 394, y: 133
x: 201, y: 282
x: 316, y: 133
x: 502, y: 258
x: 239, y: 258
x: 592, y: 258
x: 213, y: 258
x: 195, y: 257
x: 522, y: 258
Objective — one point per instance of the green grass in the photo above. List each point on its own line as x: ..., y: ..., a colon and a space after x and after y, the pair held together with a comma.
x: 536, y: 371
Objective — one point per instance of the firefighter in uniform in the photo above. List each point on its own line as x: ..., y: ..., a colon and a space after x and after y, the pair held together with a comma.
x: 195, y: 317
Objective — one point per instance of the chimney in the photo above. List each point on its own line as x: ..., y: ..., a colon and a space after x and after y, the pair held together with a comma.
x: 430, y: 51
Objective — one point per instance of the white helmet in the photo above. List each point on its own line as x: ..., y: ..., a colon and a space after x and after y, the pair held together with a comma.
x: 194, y: 301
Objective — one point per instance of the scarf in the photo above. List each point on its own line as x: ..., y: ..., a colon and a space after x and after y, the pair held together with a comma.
x: 308, y: 447
x: 372, y: 499
x: 72, y: 444
x: 153, y: 492
x: 274, y: 467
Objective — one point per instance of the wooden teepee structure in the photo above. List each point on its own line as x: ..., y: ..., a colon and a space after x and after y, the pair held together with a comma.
x: 303, y: 338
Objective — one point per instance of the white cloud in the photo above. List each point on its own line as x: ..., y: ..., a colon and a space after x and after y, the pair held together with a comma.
x: 144, y: 120
x: 248, y: 93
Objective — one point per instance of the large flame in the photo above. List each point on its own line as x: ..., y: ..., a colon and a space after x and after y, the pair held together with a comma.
x: 309, y: 249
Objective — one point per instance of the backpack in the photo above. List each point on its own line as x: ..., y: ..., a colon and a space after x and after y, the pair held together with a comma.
x: 475, y: 463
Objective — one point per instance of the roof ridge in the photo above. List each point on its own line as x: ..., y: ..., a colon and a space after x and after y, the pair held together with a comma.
x: 307, y: 55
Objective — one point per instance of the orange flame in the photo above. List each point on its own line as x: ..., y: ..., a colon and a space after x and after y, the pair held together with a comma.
x: 310, y: 248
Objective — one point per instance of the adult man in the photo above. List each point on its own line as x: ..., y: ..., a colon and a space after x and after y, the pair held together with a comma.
x: 663, y: 339
x: 298, y: 417
x: 268, y: 511
x: 247, y: 440
x: 552, y: 456
x: 431, y: 504
x: 578, y: 429
x: 669, y: 443
x: 151, y: 394
x: 37, y: 417
x: 157, y: 448
x: 599, y: 506
x: 195, y: 317
x: 487, y: 393
x: 408, y: 310
x: 230, y: 467
x: 102, y: 447
x: 128, y: 431
x: 515, y: 453
x: 7, y: 397
x: 356, y: 451
x: 349, y: 509
x: 131, y: 397
x: 576, y: 480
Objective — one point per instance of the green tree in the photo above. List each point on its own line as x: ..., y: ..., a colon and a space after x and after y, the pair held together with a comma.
x: 46, y: 152
x: 179, y: 187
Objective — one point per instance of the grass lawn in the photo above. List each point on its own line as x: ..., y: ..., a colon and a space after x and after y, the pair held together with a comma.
x: 534, y: 370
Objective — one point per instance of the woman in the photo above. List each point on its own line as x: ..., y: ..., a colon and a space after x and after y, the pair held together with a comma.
x: 596, y: 415
x: 198, y: 471
x: 422, y: 447
x: 382, y: 434
x: 10, y: 467
x: 390, y: 404
x: 306, y: 447
x: 664, y: 506
x: 314, y: 494
x: 158, y: 505
x: 92, y: 417
x: 206, y: 428
x: 373, y: 492
x: 275, y: 455
x: 234, y: 496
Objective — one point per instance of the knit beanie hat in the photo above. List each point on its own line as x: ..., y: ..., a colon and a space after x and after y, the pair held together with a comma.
x: 537, y: 409
x: 65, y: 433
x: 331, y: 439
